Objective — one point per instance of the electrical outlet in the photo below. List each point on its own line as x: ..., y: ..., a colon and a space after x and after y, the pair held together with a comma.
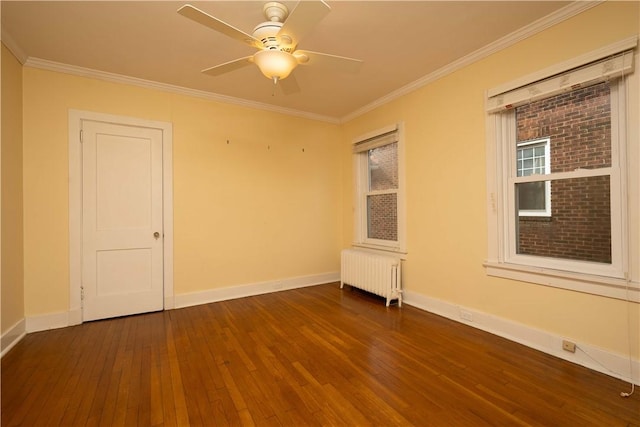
x: 569, y: 346
x: 466, y: 315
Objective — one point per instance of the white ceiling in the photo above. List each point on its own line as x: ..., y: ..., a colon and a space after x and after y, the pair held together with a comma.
x: 399, y: 42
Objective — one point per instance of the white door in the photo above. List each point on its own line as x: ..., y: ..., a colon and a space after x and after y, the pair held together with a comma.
x: 122, y: 236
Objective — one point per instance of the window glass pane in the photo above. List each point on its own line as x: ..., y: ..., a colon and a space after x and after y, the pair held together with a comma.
x: 577, y: 122
x: 383, y: 167
x: 531, y: 159
x: 382, y: 217
x: 531, y: 196
x: 580, y: 224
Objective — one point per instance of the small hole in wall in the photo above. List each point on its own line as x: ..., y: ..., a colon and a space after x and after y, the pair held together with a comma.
x: 227, y: 142
x: 303, y: 150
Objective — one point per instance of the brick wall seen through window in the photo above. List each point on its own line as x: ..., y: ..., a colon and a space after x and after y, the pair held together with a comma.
x: 382, y: 209
x: 578, y: 124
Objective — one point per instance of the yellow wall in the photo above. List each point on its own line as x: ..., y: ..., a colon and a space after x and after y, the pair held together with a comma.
x: 265, y: 206
x: 446, y: 187
x: 12, y: 248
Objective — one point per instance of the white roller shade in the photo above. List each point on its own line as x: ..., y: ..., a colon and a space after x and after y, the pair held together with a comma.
x: 376, y: 141
x: 613, y: 66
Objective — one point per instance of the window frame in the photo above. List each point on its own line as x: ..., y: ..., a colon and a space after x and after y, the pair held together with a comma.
x: 616, y: 268
x: 620, y: 279
x: 547, y: 169
x: 362, y: 191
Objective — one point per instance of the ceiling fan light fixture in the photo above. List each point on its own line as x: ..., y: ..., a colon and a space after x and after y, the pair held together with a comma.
x: 275, y: 64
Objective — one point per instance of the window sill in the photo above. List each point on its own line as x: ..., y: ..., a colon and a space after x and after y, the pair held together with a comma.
x: 381, y: 250
x: 586, y: 283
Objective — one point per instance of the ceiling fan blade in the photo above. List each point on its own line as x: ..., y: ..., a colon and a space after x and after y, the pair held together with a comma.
x: 302, y: 19
x: 341, y: 63
x: 214, y: 23
x: 229, y: 66
x: 289, y: 85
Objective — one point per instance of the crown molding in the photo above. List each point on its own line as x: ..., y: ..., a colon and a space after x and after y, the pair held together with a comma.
x: 13, y: 47
x: 44, y: 64
x: 527, y: 31
x: 541, y: 24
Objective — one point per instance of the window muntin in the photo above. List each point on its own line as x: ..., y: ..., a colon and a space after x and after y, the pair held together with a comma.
x: 532, y: 158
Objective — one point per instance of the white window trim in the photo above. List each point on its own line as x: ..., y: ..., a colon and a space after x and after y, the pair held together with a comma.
x: 547, y: 184
x: 618, y: 280
x: 360, y: 168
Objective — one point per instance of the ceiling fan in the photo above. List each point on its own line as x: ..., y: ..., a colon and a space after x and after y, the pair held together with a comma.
x: 276, y: 40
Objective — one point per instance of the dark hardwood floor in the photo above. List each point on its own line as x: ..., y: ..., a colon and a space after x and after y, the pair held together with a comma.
x: 313, y: 356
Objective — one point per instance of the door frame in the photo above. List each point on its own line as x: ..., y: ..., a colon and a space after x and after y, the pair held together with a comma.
x: 75, y: 203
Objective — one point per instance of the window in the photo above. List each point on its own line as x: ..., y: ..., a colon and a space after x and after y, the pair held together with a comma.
x: 379, y: 213
x: 532, y: 158
x: 578, y: 125
x: 558, y: 200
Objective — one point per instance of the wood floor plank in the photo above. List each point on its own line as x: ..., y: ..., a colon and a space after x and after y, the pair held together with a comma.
x: 177, y: 386
x: 316, y: 356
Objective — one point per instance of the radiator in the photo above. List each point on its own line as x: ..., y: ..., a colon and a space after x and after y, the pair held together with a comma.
x: 378, y: 274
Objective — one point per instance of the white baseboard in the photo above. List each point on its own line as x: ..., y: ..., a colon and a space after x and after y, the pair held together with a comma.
x: 169, y: 303
x: 62, y: 319
x: 232, y: 292
x: 597, y: 359
x: 74, y: 317
x: 12, y: 336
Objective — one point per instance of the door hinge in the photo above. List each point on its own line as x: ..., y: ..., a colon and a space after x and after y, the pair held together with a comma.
x: 81, y: 293
x: 81, y: 141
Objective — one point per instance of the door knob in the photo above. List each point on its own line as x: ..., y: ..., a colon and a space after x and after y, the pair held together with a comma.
x: 156, y: 235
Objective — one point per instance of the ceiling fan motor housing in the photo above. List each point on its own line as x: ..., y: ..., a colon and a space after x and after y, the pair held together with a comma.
x: 275, y: 60
x: 267, y: 33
